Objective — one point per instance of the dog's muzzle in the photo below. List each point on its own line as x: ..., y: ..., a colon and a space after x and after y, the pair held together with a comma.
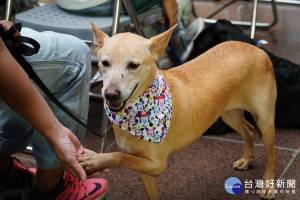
x: 113, y: 104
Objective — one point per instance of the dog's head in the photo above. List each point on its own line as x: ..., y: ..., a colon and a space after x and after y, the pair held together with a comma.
x: 127, y: 63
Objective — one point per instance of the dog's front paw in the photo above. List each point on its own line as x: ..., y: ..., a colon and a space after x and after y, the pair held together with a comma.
x: 267, y: 193
x: 243, y: 163
x: 91, y: 163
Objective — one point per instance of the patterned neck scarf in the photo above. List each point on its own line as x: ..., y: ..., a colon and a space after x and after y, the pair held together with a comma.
x: 149, y: 116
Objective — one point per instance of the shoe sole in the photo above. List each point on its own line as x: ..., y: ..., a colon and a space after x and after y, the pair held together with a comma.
x: 103, y: 196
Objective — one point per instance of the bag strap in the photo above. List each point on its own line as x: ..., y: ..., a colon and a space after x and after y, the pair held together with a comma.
x: 17, y: 48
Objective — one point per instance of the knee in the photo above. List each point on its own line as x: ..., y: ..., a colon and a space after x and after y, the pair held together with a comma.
x: 74, y: 45
x: 80, y: 54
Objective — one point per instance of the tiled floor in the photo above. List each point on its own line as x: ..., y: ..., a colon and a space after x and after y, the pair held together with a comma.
x: 200, y: 170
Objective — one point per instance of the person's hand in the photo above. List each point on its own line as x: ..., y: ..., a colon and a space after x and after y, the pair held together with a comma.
x: 6, y: 26
x: 68, y: 149
x: 171, y: 9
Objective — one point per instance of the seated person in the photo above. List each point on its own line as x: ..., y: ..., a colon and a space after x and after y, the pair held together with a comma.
x: 63, y: 63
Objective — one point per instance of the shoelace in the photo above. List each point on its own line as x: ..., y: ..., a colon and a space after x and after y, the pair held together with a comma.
x: 74, y: 185
x: 17, y: 164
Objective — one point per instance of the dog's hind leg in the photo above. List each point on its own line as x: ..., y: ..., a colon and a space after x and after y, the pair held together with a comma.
x: 150, y: 186
x: 235, y: 119
x: 265, y: 124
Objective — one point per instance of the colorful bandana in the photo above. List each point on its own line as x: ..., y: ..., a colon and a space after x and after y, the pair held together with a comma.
x: 149, y: 116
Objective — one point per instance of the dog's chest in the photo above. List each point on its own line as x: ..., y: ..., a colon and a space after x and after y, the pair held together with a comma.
x: 148, y: 117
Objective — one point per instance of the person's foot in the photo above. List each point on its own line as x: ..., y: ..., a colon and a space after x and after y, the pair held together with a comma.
x: 15, y: 179
x: 70, y: 188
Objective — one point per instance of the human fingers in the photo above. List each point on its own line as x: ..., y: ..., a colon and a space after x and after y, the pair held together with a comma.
x: 7, y: 25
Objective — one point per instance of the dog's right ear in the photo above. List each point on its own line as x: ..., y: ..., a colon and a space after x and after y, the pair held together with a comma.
x: 99, y: 37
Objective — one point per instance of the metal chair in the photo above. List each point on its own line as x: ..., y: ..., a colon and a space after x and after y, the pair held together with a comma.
x: 253, y: 24
x: 52, y: 17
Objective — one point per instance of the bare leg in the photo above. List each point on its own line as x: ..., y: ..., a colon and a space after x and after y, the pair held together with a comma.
x: 47, y: 180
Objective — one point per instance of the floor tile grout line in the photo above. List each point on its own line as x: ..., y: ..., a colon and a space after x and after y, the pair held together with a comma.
x: 241, y: 142
x: 294, y: 155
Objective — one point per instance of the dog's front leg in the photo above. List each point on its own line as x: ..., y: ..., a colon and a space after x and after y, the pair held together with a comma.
x: 148, y: 168
x: 150, y: 186
x: 96, y: 162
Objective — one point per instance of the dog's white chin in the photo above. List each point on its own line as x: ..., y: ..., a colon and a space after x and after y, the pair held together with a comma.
x: 116, y: 106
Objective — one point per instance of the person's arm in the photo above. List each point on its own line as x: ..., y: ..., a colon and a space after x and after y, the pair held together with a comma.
x: 171, y: 9
x: 20, y: 94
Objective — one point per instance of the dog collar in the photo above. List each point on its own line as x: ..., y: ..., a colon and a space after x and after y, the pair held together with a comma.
x: 149, y: 116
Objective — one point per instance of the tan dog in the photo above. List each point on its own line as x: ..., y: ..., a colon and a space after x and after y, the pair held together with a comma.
x: 224, y: 81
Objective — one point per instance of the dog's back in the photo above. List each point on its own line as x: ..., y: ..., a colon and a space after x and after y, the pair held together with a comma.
x: 222, y: 62
x: 225, y: 77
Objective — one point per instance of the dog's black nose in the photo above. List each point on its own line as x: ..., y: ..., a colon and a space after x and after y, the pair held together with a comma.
x: 112, y: 94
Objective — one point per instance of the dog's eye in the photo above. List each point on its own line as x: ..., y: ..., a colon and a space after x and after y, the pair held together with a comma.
x: 133, y: 65
x: 105, y: 63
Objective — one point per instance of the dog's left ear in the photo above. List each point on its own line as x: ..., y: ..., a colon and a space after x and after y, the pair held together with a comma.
x: 99, y: 37
x: 158, y: 44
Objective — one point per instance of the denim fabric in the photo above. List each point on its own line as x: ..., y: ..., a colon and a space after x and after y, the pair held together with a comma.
x: 64, y: 65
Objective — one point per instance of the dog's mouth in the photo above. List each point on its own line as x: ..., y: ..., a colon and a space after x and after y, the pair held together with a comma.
x: 118, y: 106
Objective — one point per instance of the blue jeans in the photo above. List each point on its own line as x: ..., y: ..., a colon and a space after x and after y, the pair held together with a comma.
x: 63, y: 64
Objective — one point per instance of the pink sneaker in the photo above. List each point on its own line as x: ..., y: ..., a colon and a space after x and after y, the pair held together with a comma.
x: 15, y: 179
x: 71, y: 188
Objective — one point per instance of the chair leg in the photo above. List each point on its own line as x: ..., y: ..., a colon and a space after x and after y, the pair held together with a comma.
x: 134, y: 19
x: 8, y: 8
x: 254, y: 14
x: 131, y: 13
x: 116, y: 17
x: 105, y: 124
